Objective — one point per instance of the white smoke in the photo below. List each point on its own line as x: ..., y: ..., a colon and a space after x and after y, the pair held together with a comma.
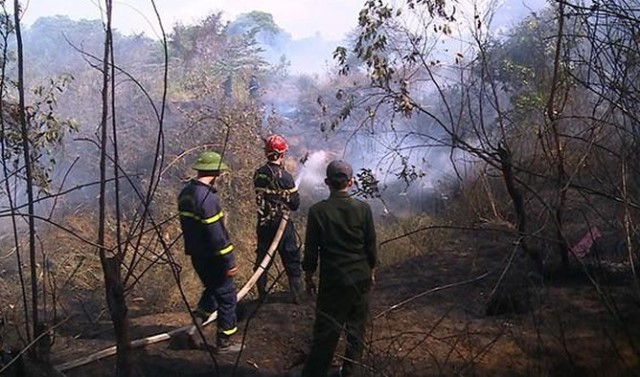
x: 312, y: 173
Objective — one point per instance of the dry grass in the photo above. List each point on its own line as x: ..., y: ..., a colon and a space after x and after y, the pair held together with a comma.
x: 406, y: 247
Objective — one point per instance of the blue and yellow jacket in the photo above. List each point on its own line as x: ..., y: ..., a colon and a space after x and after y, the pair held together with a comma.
x: 201, y: 219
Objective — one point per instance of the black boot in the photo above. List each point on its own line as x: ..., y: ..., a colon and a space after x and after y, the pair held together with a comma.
x: 295, y: 286
x: 200, y: 316
x: 261, y: 284
x: 227, y: 345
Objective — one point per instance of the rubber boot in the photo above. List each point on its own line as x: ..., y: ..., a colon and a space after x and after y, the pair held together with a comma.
x: 200, y: 316
x: 225, y: 344
x: 296, y: 288
x: 261, y: 284
x: 194, y: 339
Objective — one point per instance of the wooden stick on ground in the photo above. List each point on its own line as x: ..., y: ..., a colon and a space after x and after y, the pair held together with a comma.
x: 168, y: 335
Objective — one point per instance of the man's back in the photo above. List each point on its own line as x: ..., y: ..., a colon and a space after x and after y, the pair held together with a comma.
x: 341, y: 234
x: 197, y: 202
x: 201, y: 220
x: 341, y: 230
x: 276, y: 193
x: 274, y: 187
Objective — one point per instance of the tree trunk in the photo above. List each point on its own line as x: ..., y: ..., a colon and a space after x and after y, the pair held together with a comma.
x: 518, y: 204
x: 553, y: 113
x: 26, y: 150
x: 118, y: 310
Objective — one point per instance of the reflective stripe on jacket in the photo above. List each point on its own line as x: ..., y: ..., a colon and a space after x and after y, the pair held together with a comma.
x: 201, y: 219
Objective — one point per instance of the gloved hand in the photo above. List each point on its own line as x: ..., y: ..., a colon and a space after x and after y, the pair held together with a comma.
x: 309, y: 283
x: 232, y: 271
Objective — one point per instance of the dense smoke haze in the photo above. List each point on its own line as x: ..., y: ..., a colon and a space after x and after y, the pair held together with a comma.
x: 308, y: 62
x: 495, y: 141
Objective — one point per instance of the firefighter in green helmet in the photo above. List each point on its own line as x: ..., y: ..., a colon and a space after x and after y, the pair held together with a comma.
x: 207, y: 242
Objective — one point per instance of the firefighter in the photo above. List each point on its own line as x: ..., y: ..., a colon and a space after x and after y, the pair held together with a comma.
x: 254, y: 87
x: 228, y: 86
x: 341, y: 234
x: 207, y: 242
x: 276, y: 192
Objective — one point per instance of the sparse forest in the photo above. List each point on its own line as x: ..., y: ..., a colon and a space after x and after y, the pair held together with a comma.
x: 501, y: 164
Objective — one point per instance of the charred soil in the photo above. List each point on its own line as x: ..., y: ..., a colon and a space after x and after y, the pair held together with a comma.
x: 470, y: 308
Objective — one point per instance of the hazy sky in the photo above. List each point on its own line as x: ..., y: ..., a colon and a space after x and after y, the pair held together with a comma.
x: 301, y: 18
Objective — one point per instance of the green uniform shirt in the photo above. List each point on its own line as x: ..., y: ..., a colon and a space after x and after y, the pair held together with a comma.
x: 341, y: 233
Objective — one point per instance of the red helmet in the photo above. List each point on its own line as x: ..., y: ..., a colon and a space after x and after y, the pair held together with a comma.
x: 275, y: 144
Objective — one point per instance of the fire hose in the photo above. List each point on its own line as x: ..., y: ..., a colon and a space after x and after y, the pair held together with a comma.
x: 168, y: 335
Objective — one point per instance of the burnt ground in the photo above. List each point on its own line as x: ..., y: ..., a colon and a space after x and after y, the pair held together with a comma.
x: 560, y: 325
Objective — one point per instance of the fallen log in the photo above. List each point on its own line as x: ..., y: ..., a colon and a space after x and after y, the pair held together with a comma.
x: 168, y: 335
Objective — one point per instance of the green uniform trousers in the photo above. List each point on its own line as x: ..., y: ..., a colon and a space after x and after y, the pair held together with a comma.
x: 339, y: 308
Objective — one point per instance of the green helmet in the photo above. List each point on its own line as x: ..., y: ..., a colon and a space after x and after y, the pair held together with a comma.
x: 210, y: 161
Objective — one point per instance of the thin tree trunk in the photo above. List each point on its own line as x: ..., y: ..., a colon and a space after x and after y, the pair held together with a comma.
x: 118, y: 311
x: 111, y: 266
x: 10, y: 198
x: 561, y: 177
x: 26, y: 150
x: 518, y: 204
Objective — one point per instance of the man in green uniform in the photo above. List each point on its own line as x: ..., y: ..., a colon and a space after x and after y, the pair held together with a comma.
x: 340, y: 232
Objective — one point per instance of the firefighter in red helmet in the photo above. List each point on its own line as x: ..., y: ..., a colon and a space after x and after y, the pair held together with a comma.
x: 275, y: 192
x: 274, y: 147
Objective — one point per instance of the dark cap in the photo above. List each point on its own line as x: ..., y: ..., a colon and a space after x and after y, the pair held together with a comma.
x: 339, y: 169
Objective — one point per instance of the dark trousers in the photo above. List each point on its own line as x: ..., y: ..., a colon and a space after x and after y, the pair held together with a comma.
x: 338, y: 308
x: 219, y: 291
x: 287, y: 249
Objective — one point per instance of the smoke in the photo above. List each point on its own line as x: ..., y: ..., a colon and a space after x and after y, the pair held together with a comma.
x: 310, y: 179
x: 414, y: 173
